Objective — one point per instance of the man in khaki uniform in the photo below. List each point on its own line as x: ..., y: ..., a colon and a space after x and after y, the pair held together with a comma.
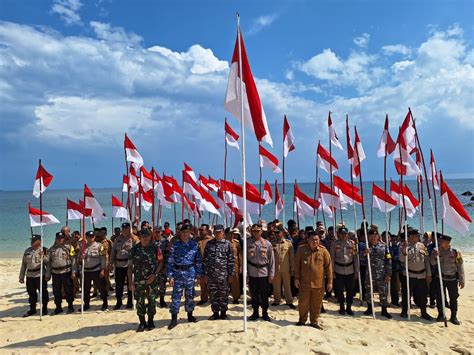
x: 106, y: 251
x: 235, y: 289
x: 312, y: 265
x: 284, y: 259
x: 204, y: 237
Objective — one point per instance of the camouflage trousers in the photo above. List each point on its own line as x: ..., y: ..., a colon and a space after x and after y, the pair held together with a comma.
x: 143, y: 294
x: 218, y: 292
x: 379, y: 284
x: 184, y: 281
x: 162, y: 279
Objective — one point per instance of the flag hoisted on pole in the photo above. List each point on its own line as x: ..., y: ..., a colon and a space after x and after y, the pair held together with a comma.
x: 288, y: 146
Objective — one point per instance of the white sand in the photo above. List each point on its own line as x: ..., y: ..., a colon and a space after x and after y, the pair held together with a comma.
x: 114, y: 331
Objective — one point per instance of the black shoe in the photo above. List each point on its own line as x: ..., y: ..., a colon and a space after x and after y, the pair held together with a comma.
x: 426, y: 316
x: 349, y: 310
x: 274, y: 304
x: 118, y: 306
x: 45, y: 311
x: 322, y: 309
x: 454, y: 320
x: 254, y: 316
x: 266, y: 318
x: 299, y: 324
x: 58, y: 310
x: 223, y: 315
x: 87, y: 307
x: 150, y: 324
x: 94, y: 295
x: 433, y: 305
x: 440, y: 317
x: 342, y: 310
x: 291, y: 305
x: 174, y: 321
x: 191, y: 318
x: 214, y: 316
x: 142, y: 325
x: 105, y: 305
x: 129, y: 305
x: 316, y: 326
x: 385, y: 313
x: 162, y: 302
x: 404, y: 314
x: 368, y: 311
x: 236, y: 302
x: 70, y: 309
x: 201, y: 302
x: 30, y: 312
x: 111, y: 288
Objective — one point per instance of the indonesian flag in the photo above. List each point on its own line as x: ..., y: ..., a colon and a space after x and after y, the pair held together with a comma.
x: 225, y: 205
x: 404, y: 163
x: 359, y: 155
x: 147, y: 198
x: 231, y: 137
x: 132, y: 153
x: 206, y: 201
x: 42, y: 181
x: 433, y: 171
x: 332, y: 134
x: 267, y: 193
x: 133, y: 180
x: 163, y: 191
x: 253, y: 114
x: 213, y: 184
x: 386, y: 145
x: 176, y: 191
x: 234, y: 193
x: 407, y: 131
x: 192, y: 206
x: 204, y: 182
x: 91, y: 203
x: 454, y: 213
x: 288, y: 138
x: 125, y: 183
x: 268, y: 160
x: 350, y: 149
x: 411, y: 203
x: 329, y: 198
x: 38, y: 218
x: 118, y: 209
x: 326, y: 161
x: 190, y: 172
x: 381, y: 200
x: 147, y: 180
x: 304, y: 205
x: 279, y: 203
x: 76, y: 210
x: 348, y: 194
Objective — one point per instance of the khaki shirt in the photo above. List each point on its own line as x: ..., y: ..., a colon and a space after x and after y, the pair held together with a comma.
x: 120, y: 251
x: 31, y: 262
x: 344, y: 257
x: 284, y: 255
x: 451, y: 262
x: 237, y: 253
x: 260, y: 259
x: 312, y: 267
x: 418, y: 261
x: 202, y: 244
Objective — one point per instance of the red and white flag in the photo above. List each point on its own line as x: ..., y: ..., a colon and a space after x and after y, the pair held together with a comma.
x: 433, y: 172
x: 329, y: 198
x: 253, y: 114
x: 231, y: 137
x: 454, y: 214
x: 348, y: 194
x: 279, y: 203
x: 132, y: 154
x: 268, y: 160
x: 206, y: 201
x: 42, y: 181
x: 381, y: 200
x: 164, y: 192
x: 408, y: 132
x: 304, y: 205
x: 404, y: 163
x: 38, y: 218
x: 326, y: 161
x: 386, y: 145
x: 177, y: 192
x: 213, y: 184
x: 234, y: 193
x: 190, y: 172
x: 125, y: 183
x: 76, y: 210
x: 359, y: 155
x: 332, y: 134
x: 98, y: 213
x: 267, y: 193
x: 288, y: 138
x: 118, y: 209
x: 350, y: 149
x: 204, y: 182
x: 147, y: 198
x: 411, y: 203
x: 147, y: 180
x: 133, y: 180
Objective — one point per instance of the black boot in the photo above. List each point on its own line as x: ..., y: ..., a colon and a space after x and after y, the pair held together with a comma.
x: 162, y: 302
x: 191, y: 318
x: 30, y: 312
x: 58, y: 310
x: 86, y: 306
x: 425, y: 315
x: 215, y: 316
x: 223, y: 315
x: 454, y: 319
x: 142, y: 325
x: 45, y: 309
x: 151, y: 324
x: 342, y: 310
x: 118, y: 305
x: 129, y: 301
x: 322, y: 309
x: 349, y: 310
x: 70, y: 308
x: 368, y: 311
x: 254, y: 315
x: 385, y: 313
x: 265, y: 316
x: 174, y: 321
x: 404, y: 313
x: 105, y: 304
x: 440, y: 317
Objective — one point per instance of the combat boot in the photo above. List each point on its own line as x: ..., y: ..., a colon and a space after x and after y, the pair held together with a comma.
x: 224, y: 315
x: 440, y: 317
x: 174, y: 321
x: 45, y: 309
x: 454, y: 319
x: 191, y: 318
x: 30, y: 312
x: 254, y: 315
x: 70, y: 308
x: 385, y: 313
x: 151, y: 324
x: 404, y: 313
x: 349, y: 310
x: 105, y: 304
x: 322, y: 309
x: 215, y: 315
x: 162, y: 302
x: 368, y: 311
x: 142, y: 325
x: 425, y: 315
x: 342, y: 310
x: 58, y: 310
x: 265, y: 316
x: 118, y: 305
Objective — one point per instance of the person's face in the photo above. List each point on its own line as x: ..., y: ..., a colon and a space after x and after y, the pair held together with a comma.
x: 60, y: 240
x: 271, y: 227
x: 135, y: 230
x: 281, y: 235
x: 103, y: 234
x: 373, y: 238
x: 203, y: 231
x: 257, y: 234
x: 330, y: 233
x: 145, y: 240
x: 126, y: 231
x: 219, y: 234
x: 313, y: 242
x: 77, y: 236
x: 90, y: 239
x: 342, y: 235
x: 444, y: 244
x: 185, y: 235
x: 117, y: 232
x: 66, y: 230
x: 413, y: 238
x: 36, y: 244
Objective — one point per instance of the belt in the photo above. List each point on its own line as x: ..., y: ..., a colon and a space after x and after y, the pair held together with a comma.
x: 61, y: 268
x: 91, y: 268
x: 183, y: 267
x: 450, y: 277
x: 416, y: 272
x: 258, y: 266
x: 34, y: 270
x: 344, y: 265
x: 126, y: 259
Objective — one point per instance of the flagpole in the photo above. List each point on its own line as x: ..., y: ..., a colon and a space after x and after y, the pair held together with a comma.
x: 182, y: 196
x: 83, y: 247
x: 316, y: 212
x: 225, y: 167
x: 331, y: 180
x: 276, y: 187
x: 128, y: 186
x: 244, y: 187
x: 364, y: 222
x: 31, y: 228
x: 153, y: 201
x: 259, y: 182
x: 355, y: 231
x: 42, y: 256
x: 322, y: 214
x: 283, y: 173
x: 387, y: 225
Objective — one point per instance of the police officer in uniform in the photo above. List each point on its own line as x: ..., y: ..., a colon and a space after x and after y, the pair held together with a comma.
x: 164, y: 244
x: 235, y: 288
x: 261, y: 270
x: 94, y: 270
x: 31, y: 266
x: 218, y: 263
x: 346, y: 268
x: 184, y: 266
x: 452, y: 270
x: 419, y: 272
x: 284, y: 260
x: 119, y: 258
x: 61, y: 265
x: 205, y: 236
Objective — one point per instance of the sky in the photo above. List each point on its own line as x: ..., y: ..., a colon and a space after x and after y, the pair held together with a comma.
x: 76, y: 75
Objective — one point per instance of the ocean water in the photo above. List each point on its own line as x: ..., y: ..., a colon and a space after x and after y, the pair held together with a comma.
x: 15, y: 228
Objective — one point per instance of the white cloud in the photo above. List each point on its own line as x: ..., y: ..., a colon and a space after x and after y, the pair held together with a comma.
x: 396, y: 49
x: 402, y: 65
x: 261, y: 22
x: 67, y: 10
x: 362, y: 41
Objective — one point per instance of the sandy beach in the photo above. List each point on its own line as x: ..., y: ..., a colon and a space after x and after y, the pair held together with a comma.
x: 114, y: 331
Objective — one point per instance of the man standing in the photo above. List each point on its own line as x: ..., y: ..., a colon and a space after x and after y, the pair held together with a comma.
x: 284, y: 255
x: 261, y: 270
x: 394, y: 249
x: 204, y: 237
x: 235, y: 289
x: 312, y: 267
x: 346, y: 269
x: 143, y: 266
x: 106, y: 246
x: 31, y: 266
x: 452, y: 270
x: 218, y: 263
x: 164, y: 244
x: 184, y: 266
x: 419, y: 273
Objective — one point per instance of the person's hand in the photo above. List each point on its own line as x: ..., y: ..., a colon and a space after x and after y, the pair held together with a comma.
x: 171, y: 281
x: 366, y: 251
x: 435, y: 252
x: 22, y: 281
x: 387, y: 279
x: 73, y: 275
x: 461, y: 285
x: 131, y: 287
x: 297, y: 283
x: 47, y: 278
x: 270, y: 279
x: 329, y: 288
x: 102, y: 273
x: 150, y: 279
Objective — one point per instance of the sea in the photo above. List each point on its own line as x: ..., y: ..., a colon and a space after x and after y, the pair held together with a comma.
x: 15, y: 229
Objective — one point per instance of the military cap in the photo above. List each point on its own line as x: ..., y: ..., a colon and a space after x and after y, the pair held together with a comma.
x: 312, y: 234
x: 280, y: 228
x: 60, y: 235
x: 235, y: 231
x: 103, y: 229
x: 145, y: 233
x: 144, y: 222
x: 330, y: 228
x: 445, y: 237
x: 125, y: 225
x: 96, y: 229
x: 35, y: 237
x: 413, y: 231
x: 372, y: 231
x: 90, y: 234
x: 342, y: 229
x: 186, y: 227
x: 227, y: 230
x: 218, y: 227
x: 308, y: 229
x: 256, y: 227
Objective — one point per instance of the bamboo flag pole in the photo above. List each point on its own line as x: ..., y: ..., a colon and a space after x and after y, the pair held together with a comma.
x: 83, y: 247
x: 334, y: 214
x: 42, y: 243
x: 316, y: 213
x: 259, y: 182
x: 283, y: 176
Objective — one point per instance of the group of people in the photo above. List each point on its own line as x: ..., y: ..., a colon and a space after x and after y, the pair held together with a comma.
x: 286, y: 262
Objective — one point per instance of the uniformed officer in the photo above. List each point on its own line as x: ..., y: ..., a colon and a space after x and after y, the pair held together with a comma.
x: 261, y: 270
x: 235, y: 289
x: 346, y: 269
x: 94, y: 270
x: 144, y: 262
x: 31, y: 266
x: 419, y: 273
x: 119, y: 259
x: 61, y: 264
x: 184, y: 266
x: 312, y: 267
x: 205, y: 235
x: 164, y: 244
x: 452, y: 270
x: 218, y: 264
x: 381, y: 266
x: 394, y: 249
x: 284, y: 261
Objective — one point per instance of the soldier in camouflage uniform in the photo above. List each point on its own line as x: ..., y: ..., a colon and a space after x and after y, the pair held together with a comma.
x: 381, y: 265
x: 218, y: 266
x: 144, y: 262
x: 31, y: 266
x: 184, y: 266
x: 164, y: 244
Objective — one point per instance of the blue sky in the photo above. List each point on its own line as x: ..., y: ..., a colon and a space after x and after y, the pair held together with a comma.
x: 75, y: 75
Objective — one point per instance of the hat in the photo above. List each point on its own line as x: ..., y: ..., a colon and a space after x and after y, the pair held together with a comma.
x: 90, y: 234
x: 235, y: 231
x: 60, y: 235
x: 308, y: 229
x: 445, y: 237
x: 186, y: 227
x: 35, y: 237
x: 320, y: 229
x: 145, y: 222
x: 342, y: 229
x: 145, y: 232
x: 218, y: 227
x: 312, y: 234
x: 413, y: 231
x: 256, y: 227
x: 103, y: 229
x: 372, y: 231
x: 167, y: 231
x: 125, y: 225
x: 319, y: 223
x: 280, y: 228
